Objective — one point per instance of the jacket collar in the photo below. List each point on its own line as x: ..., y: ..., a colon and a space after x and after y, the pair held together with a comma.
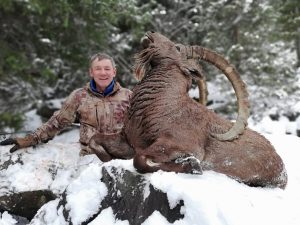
x: 112, y: 88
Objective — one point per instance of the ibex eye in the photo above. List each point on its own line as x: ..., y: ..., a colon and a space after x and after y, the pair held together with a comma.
x: 177, y: 47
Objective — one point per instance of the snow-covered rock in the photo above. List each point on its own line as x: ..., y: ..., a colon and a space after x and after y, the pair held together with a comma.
x: 91, y: 192
x: 128, y: 195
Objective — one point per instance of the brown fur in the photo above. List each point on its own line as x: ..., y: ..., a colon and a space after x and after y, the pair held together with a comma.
x: 170, y: 131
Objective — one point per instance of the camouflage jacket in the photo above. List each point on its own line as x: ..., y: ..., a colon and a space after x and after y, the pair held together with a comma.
x: 95, y: 112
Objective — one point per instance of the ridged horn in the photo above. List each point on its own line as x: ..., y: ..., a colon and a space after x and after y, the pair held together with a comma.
x: 201, y: 82
x: 197, y: 52
x: 202, y: 91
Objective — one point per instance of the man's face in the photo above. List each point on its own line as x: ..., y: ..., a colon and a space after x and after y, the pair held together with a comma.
x: 102, y: 72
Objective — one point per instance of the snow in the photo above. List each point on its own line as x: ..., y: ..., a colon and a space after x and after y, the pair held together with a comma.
x: 83, y: 201
x: 32, y: 120
x: 45, y: 40
x: 209, y: 199
x: 107, y: 217
x: 34, y: 174
x: 7, y: 219
x: 219, y: 98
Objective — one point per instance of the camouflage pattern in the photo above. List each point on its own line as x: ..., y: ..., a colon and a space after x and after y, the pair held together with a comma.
x: 96, y: 114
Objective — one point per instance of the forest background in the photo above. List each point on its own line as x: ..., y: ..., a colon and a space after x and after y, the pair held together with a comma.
x: 45, y: 46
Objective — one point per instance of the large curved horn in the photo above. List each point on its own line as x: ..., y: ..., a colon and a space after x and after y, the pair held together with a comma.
x: 197, y: 52
x: 201, y: 82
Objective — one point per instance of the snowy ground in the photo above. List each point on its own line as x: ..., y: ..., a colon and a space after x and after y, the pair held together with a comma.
x: 210, y: 199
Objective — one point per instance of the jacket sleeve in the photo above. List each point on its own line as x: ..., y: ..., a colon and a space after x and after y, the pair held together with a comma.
x: 60, y: 119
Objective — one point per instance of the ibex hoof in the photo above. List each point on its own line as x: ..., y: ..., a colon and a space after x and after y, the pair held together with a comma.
x: 192, y: 163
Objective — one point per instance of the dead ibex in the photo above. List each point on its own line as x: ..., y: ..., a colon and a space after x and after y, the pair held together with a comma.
x: 170, y: 131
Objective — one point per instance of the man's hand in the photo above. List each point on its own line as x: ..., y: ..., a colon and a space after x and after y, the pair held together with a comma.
x: 11, y: 141
x: 19, y: 143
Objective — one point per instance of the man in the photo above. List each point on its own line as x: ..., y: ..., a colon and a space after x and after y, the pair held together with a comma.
x: 100, y: 107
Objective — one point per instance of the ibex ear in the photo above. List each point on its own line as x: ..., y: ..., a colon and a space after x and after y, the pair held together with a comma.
x: 189, y: 70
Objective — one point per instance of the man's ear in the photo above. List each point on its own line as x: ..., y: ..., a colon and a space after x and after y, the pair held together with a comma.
x: 91, y: 72
x: 115, y: 70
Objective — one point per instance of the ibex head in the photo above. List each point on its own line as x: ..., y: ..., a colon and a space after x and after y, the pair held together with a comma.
x: 161, y: 47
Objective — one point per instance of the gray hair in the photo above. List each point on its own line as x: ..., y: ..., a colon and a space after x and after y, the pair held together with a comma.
x: 99, y: 56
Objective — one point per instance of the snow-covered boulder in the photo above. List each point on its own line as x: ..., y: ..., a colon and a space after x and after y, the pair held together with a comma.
x: 90, y: 192
x: 25, y: 204
x: 78, y: 188
x: 128, y: 195
x: 31, y: 177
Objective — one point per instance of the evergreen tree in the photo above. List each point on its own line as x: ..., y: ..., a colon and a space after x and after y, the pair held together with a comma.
x: 45, y: 46
x: 289, y: 23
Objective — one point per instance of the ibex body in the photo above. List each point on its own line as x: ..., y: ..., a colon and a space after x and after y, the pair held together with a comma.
x: 170, y: 131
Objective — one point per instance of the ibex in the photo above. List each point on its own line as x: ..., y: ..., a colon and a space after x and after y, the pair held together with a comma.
x: 170, y: 131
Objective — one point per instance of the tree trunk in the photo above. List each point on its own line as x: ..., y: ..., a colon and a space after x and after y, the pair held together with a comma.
x: 297, y: 45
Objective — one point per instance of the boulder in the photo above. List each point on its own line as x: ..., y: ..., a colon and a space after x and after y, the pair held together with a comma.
x: 51, y: 184
x: 25, y: 204
x: 128, y: 194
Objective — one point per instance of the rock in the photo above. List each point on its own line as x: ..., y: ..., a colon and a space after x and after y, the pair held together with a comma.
x: 25, y: 204
x: 47, y: 108
x: 129, y: 194
x: 31, y: 177
x: 51, y: 184
x: 126, y: 193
